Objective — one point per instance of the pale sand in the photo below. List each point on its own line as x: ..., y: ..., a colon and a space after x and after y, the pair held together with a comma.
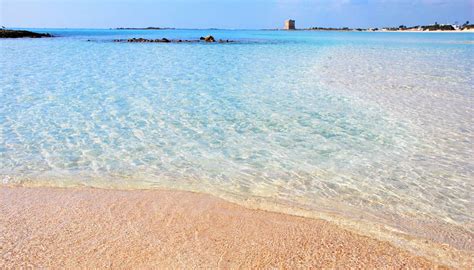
x: 417, y: 31
x: 51, y: 227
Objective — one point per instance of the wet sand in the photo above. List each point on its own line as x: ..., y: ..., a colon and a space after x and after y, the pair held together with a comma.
x: 82, y: 227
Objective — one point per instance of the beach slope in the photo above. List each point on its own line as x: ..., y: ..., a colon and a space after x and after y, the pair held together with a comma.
x: 52, y: 227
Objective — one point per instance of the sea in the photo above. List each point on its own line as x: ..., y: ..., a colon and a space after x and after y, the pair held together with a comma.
x: 372, y: 130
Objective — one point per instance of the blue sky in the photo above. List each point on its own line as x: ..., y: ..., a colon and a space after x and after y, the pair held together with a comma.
x: 252, y: 14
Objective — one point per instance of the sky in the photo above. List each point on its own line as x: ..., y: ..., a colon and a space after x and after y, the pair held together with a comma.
x: 231, y: 14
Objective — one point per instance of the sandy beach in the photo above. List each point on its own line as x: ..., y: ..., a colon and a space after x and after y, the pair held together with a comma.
x: 82, y: 227
x: 418, y: 31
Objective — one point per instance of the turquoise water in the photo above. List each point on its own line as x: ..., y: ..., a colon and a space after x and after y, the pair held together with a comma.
x: 375, y: 126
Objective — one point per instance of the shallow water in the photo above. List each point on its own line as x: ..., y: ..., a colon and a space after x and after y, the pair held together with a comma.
x: 377, y: 126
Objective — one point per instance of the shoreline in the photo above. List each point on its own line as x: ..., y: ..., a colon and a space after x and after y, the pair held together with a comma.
x: 89, y: 227
x: 385, y: 31
x: 262, y: 29
x: 416, y: 31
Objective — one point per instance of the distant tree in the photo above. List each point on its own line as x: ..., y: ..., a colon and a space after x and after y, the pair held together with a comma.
x: 402, y: 27
x: 466, y: 23
x: 436, y: 23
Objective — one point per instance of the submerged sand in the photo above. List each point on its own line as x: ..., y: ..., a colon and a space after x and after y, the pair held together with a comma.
x: 82, y: 227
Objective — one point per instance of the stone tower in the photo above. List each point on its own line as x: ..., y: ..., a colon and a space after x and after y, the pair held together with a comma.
x: 289, y: 25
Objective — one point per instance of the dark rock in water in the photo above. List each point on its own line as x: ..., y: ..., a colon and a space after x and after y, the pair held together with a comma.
x: 165, y: 40
x: 143, y: 40
x: 5, y: 33
x: 209, y: 39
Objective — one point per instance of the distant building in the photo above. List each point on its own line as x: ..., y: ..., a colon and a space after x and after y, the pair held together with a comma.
x: 289, y: 25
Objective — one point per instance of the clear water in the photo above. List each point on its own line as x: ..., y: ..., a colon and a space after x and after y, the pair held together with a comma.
x: 366, y: 125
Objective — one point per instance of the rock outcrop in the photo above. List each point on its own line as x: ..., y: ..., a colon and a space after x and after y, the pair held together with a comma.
x: 208, y: 39
x: 144, y: 40
x: 165, y: 40
x: 6, y: 33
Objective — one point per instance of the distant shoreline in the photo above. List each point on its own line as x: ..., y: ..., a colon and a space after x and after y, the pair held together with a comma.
x: 374, y: 31
x: 143, y: 28
x: 273, y: 29
x: 440, y: 31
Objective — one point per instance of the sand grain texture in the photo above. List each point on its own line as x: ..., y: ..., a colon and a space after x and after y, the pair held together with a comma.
x: 50, y: 227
